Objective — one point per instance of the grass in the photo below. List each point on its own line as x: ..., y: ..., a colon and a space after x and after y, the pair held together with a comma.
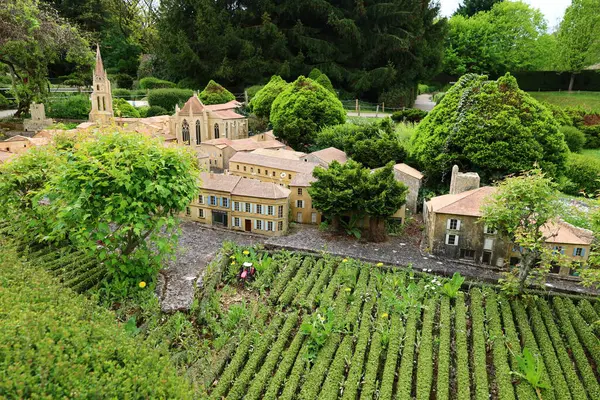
x: 591, y: 152
x: 587, y: 100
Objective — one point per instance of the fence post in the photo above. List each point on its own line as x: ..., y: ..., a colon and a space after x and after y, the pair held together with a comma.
x: 246, y: 97
x: 359, y: 110
x: 383, y: 107
x: 356, y: 106
x: 377, y: 111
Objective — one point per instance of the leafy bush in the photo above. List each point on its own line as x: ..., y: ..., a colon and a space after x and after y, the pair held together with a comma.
x: 560, y: 115
x: 452, y: 287
x: 263, y: 99
x: 397, y: 97
x: 4, y: 103
x: 40, y: 314
x: 253, y: 90
x: 121, y: 93
x: 71, y: 107
x: 438, y: 97
x: 186, y: 83
x: 314, y: 74
x: 169, y: 98
x: 582, y: 174
x: 123, y: 109
x: 592, y: 136
x: 324, y: 81
x: 156, y: 110
x: 123, y: 81
x: 574, y: 138
x: 214, y: 93
x: 143, y: 111
x: 303, y: 108
x: 409, y: 115
x: 151, y: 82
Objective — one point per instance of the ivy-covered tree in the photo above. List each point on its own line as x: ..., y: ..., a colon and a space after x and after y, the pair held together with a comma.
x: 263, y: 99
x: 32, y: 38
x: 214, y: 93
x: 490, y: 127
x: 303, y: 108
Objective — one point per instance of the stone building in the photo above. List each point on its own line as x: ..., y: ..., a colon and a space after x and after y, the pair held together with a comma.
x: 326, y: 156
x: 195, y: 122
x: 241, y: 204
x: 102, y: 109
x: 38, y: 120
x: 20, y: 144
x: 413, y: 179
x: 221, y: 150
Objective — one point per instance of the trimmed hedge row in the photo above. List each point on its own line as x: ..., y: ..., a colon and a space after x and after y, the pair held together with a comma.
x: 312, y: 384
x: 370, y: 382
x: 360, y: 294
x: 502, y: 369
x: 590, y: 315
x: 405, y: 374
x: 293, y: 380
x: 391, y: 360
x: 312, y: 298
x: 585, y: 333
x: 443, y: 366
x: 576, y: 387
x: 425, y: 358
x: 290, y: 355
x: 478, y: 350
x: 237, y: 362
x: 284, y: 276
x: 292, y: 288
x: 326, y: 298
x: 309, y: 283
x: 336, y: 373
x: 462, y: 352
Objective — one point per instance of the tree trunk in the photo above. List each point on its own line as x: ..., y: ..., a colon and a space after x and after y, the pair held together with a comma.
x: 377, y: 229
x: 572, y: 82
x: 335, y: 222
x: 527, y: 262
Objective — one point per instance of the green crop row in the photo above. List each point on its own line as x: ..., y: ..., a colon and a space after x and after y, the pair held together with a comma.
x: 559, y: 384
x: 502, y: 369
x: 293, y: 380
x: 63, y: 260
x: 282, y: 279
x: 405, y: 373
x: 300, y: 298
x: 462, y: 352
x: 361, y: 292
x: 291, y: 290
x: 312, y: 384
x: 234, y: 366
x: 312, y: 298
x: 325, y: 299
x: 370, y: 381
x: 260, y: 380
x: 425, y: 358
x: 242, y: 381
x: 443, y: 366
x: 358, y: 358
x: 585, y: 333
x: 590, y: 315
x: 290, y: 355
x: 478, y: 349
x: 575, y: 385
x: 336, y: 372
x: 91, y: 281
x: 391, y: 360
x: 585, y: 370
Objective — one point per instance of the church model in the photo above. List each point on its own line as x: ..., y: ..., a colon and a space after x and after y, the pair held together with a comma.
x: 102, y: 109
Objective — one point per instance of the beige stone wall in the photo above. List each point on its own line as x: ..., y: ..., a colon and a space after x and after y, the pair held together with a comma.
x: 230, y: 129
x: 305, y: 214
x: 414, y: 185
x: 272, y: 175
x: 16, y: 146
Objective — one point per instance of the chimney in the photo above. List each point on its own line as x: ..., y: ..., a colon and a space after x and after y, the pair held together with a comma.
x: 463, y: 181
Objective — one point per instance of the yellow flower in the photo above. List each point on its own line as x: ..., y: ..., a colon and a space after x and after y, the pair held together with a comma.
x: 246, y: 252
x: 232, y: 257
x: 348, y: 289
x: 384, y: 315
x: 345, y: 260
x: 142, y: 284
x: 233, y: 263
x: 380, y: 264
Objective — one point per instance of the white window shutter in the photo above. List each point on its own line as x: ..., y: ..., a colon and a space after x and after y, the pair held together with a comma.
x: 448, y: 227
x: 447, y: 234
x: 458, y: 225
x: 456, y: 237
x: 485, y: 229
x: 255, y: 224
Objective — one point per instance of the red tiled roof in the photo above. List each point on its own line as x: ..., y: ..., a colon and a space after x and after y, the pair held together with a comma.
x: 274, y: 162
x: 330, y: 154
x: 230, y: 105
x: 237, y: 185
x: 194, y: 104
x: 465, y: 203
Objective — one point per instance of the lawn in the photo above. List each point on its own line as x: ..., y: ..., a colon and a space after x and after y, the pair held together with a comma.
x: 587, y: 100
x: 591, y: 152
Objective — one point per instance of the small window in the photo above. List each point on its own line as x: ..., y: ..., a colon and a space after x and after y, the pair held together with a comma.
x: 269, y: 225
x: 266, y: 172
x: 225, y: 202
x: 201, y: 199
x: 188, y: 212
x: 489, y: 230
x: 200, y: 213
x: 270, y: 210
x: 488, y: 244
x: 453, y: 224
x: 236, y: 221
x: 299, y: 191
x: 273, y: 173
x: 238, y: 167
x: 248, y: 207
x: 300, y: 203
x: 259, y: 209
x: 280, y: 226
x: 559, y: 249
x: 290, y: 176
x: 258, y: 170
x: 452, y: 240
x: 579, y: 252
x: 313, y: 218
x: 251, y: 169
x: 467, y: 253
x: 259, y: 224
x: 244, y: 168
x: 280, y: 212
x: 213, y: 200
x: 236, y: 206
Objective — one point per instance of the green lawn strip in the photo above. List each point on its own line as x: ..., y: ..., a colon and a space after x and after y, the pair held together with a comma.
x: 309, y: 282
x: 528, y: 340
x: 337, y: 369
x: 391, y: 359
x: 443, y: 366
x: 370, y: 382
x: 287, y: 363
x: 292, y: 289
x: 312, y: 298
x: 588, y: 100
x: 478, y: 350
x: 502, y: 373
x: 283, y: 278
x: 585, y: 369
x: 462, y: 352
x: 558, y: 381
x: 590, y: 315
x: 575, y: 385
x: 316, y: 375
x: 425, y: 357
x: 405, y: 373
x: 585, y: 333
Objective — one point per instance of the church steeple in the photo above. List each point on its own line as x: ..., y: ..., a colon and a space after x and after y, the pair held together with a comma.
x: 102, y: 110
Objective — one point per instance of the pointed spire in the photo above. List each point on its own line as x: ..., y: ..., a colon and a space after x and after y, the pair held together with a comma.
x: 99, y: 66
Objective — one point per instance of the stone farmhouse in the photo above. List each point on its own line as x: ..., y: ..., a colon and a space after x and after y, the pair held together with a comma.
x: 221, y: 150
x: 453, y: 229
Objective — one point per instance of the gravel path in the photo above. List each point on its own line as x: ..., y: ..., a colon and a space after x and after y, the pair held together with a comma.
x: 424, y: 102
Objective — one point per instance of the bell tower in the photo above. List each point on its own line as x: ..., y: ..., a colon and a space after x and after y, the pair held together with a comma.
x: 102, y: 110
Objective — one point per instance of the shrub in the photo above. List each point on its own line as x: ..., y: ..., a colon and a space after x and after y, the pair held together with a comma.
x: 186, y: 83
x: 370, y: 380
x: 47, y: 352
x: 314, y: 74
x: 582, y: 172
x: 169, y: 98
x: 574, y: 138
x: 300, y: 298
x: 143, y: 111
x: 336, y: 372
x: 311, y: 299
x: 125, y: 110
x: 290, y: 389
x: 425, y: 359
x: 443, y: 367
x: 214, y: 93
x: 123, y: 81
x: 284, y: 276
x: 324, y: 81
x: 560, y: 115
x: 389, y: 369
x: 585, y: 333
x: 156, y: 110
x: 237, y: 362
x: 409, y: 115
x: 303, y: 108
x: 71, y: 107
x: 121, y: 93
x: 576, y: 115
x: 263, y: 99
x: 294, y: 285
x: 151, y: 82
x: 252, y: 90
x: 592, y: 136
x: 438, y: 97
x: 312, y: 383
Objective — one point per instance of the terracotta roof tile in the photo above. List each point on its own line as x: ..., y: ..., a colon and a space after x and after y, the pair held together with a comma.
x: 5, y: 156
x: 230, y: 105
x: 239, y: 186
x: 330, y: 154
x: 218, y: 182
x: 193, y: 104
x: 561, y: 232
x: 280, y: 153
x: 274, y: 162
x: 302, y: 180
x: 465, y: 203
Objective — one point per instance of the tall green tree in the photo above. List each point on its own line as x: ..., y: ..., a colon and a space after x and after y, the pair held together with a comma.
x: 579, y: 37
x: 468, y: 8
x: 32, y: 38
x: 263, y: 100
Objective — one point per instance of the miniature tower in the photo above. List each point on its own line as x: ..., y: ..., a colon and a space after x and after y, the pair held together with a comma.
x: 102, y: 109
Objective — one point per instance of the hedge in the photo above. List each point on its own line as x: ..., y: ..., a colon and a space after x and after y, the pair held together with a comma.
x: 391, y: 360
x: 336, y: 372
x: 312, y: 383
x: 300, y: 298
x: 312, y: 298
x: 359, y: 294
x: 151, y: 82
x: 585, y: 333
x: 153, y: 111
x: 409, y: 115
x: 478, y: 351
x: 590, y: 315
x: 370, y: 381
x: 285, y: 275
x: 574, y: 138
x: 326, y: 297
x: 293, y: 380
x: 123, y: 109
x: 52, y: 338
x: 168, y: 98
x: 71, y: 107
x: 237, y: 362
x: 405, y: 373
x: 582, y: 173
x: 294, y: 286
x: 592, y: 136
x: 443, y: 366
x: 462, y: 352
x: 425, y: 359
x: 283, y: 367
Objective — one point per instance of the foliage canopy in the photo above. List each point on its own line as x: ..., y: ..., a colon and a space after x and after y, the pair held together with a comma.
x: 263, y: 99
x: 214, y: 93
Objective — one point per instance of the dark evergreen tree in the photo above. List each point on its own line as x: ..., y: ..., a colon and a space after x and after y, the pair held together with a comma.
x: 469, y: 8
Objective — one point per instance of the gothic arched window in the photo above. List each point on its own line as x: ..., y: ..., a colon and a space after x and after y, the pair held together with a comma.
x: 185, y: 132
x: 198, y: 136
x: 226, y: 129
x: 216, y: 131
